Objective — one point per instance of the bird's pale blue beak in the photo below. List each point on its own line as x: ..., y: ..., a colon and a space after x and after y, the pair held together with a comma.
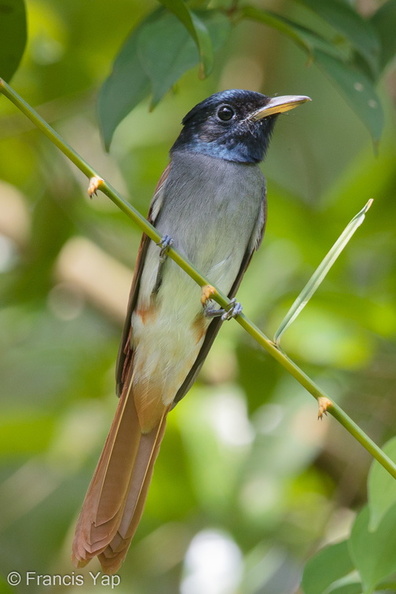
x: 278, y: 105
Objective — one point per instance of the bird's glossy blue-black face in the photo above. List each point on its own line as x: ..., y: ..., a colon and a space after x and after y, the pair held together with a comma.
x: 235, y: 125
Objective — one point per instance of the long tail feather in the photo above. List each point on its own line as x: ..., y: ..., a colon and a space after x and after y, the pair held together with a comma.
x: 116, y: 495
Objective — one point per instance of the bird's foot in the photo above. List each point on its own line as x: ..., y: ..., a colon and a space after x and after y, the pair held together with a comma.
x: 94, y: 185
x: 226, y: 313
x: 323, y: 405
x: 164, y: 244
x: 233, y: 309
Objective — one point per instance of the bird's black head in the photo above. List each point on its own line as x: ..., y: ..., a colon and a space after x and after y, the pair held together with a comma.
x: 234, y: 125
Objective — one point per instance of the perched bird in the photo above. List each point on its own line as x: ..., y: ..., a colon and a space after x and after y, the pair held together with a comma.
x: 211, y: 200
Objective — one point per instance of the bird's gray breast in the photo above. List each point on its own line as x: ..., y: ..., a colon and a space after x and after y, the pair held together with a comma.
x: 211, y: 208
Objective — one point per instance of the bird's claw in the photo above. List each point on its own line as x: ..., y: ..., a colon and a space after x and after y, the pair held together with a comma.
x: 164, y: 244
x: 233, y: 309
x: 94, y: 185
x: 226, y: 313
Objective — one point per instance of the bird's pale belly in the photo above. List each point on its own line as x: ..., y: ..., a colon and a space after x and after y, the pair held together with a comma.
x: 169, y: 327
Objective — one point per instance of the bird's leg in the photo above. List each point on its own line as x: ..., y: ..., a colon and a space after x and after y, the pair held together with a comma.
x: 231, y: 311
x: 164, y: 244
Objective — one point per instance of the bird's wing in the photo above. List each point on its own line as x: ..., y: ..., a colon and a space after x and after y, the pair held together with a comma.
x: 214, y: 326
x: 124, y: 358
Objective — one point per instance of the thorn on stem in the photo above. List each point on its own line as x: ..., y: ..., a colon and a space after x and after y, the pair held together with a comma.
x: 323, y: 405
x: 207, y: 292
x: 94, y: 185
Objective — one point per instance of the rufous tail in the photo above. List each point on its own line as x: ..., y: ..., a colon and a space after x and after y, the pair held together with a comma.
x: 115, y: 499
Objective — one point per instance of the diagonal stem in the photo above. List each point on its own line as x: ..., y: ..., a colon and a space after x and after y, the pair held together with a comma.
x: 331, y: 407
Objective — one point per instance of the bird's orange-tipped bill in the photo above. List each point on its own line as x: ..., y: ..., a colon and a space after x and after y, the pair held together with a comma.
x: 279, y: 105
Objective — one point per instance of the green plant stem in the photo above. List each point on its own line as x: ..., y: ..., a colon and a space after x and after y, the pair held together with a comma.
x: 223, y: 301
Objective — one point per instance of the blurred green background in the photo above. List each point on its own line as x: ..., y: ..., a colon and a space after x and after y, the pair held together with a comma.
x: 248, y: 483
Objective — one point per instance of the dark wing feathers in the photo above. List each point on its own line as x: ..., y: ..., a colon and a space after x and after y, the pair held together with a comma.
x: 125, y: 351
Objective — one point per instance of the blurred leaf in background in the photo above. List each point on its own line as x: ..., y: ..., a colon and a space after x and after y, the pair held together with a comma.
x: 12, y: 35
x: 246, y: 474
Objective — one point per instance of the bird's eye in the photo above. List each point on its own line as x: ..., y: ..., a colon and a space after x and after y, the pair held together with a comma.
x: 225, y: 113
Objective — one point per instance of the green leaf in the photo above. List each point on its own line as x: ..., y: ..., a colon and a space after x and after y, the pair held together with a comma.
x: 321, y: 271
x: 196, y: 29
x: 326, y: 567
x: 384, y: 22
x: 381, y: 488
x: 358, y: 31
x: 306, y: 38
x: 127, y: 85
x: 357, y: 89
x: 373, y: 552
x: 166, y: 49
x: 350, y: 585
x: 12, y: 36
